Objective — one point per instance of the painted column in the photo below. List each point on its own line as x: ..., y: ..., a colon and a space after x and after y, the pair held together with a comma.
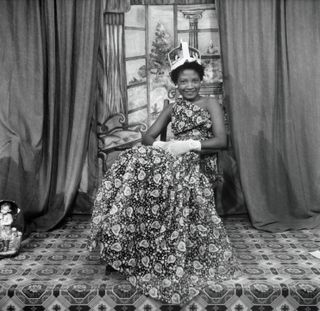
x: 193, y: 15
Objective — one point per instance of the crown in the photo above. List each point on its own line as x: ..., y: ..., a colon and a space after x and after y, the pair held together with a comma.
x: 183, y: 53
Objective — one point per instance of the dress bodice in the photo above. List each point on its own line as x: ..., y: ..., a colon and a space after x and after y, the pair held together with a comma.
x: 189, y: 121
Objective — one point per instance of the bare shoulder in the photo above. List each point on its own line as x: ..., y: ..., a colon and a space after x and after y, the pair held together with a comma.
x: 211, y: 104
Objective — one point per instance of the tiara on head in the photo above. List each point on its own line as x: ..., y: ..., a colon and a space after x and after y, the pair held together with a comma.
x: 183, y: 53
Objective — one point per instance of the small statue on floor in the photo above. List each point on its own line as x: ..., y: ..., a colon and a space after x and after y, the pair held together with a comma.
x: 10, y: 237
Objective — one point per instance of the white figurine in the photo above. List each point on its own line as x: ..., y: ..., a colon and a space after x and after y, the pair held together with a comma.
x: 6, y: 221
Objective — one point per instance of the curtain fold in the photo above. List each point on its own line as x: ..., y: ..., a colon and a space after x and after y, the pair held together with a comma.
x: 117, y: 6
x: 271, y: 52
x: 113, y: 83
x: 168, y: 2
x: 47, y: 101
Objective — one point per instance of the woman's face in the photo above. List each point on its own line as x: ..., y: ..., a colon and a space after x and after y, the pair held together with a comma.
x: 189, y: 84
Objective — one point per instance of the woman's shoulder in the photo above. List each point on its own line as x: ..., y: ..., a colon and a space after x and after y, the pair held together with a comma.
x: 207, y: 102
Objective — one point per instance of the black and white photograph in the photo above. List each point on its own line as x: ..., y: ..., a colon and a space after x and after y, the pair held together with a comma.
x: 160, y: 155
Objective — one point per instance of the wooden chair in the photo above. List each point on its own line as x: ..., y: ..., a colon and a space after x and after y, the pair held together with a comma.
x: 115, y: 135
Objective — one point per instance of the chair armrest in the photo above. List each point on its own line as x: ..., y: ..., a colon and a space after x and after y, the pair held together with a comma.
x: 104, y: 157
x: 163, y: 134
x: 138, y: 127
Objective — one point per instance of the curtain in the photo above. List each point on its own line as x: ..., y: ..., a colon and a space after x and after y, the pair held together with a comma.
x: 113, y: 83
x: 117, y: 6
x: 48, y: 59
x: 271, y: 52
x: 167, y: 2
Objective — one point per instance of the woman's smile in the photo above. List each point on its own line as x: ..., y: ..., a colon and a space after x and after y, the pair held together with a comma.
x: 189, y: 84
x: 189, y: 93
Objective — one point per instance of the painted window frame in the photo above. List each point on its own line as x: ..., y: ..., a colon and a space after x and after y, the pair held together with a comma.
x: 176, y: 32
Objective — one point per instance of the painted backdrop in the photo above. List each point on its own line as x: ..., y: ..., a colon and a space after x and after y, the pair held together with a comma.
x: 151, y: 31
x: 134, y: 71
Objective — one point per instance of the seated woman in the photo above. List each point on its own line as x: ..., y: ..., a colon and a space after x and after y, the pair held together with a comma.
x: 154, y: 215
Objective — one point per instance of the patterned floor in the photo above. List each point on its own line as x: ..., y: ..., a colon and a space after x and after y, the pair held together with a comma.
x: 54, y: 271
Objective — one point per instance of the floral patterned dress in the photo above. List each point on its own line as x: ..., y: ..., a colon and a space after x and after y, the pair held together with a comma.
x: 154, y: 216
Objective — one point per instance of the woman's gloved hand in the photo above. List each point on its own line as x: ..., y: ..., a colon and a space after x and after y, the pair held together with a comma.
x: 179, y: 147
x: 161, y: 144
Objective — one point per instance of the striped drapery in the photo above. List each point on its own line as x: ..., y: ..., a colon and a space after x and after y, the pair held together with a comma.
x: 271, y: 52
x: 167, y: 2
x: 47, y: 99
x: 112, y: 83
x: 117, y: 6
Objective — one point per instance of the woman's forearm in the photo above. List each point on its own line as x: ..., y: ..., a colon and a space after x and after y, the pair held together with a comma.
x: 147, y: 140
x: 212, y: 144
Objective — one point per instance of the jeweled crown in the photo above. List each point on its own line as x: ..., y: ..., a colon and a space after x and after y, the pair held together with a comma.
x: 183, y: 53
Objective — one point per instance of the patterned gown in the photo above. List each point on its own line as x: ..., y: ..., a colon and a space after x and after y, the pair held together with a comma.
x: 154, y: 216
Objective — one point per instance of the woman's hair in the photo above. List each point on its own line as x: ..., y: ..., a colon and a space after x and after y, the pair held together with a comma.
x: 174, y: 74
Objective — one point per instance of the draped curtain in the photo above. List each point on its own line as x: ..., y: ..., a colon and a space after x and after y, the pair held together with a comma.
x: 117, y: 6
x: 113, y: 83
x: 47, y: 86
x: 111, y: 97
x: 168, y: 2
x: 271, y: 53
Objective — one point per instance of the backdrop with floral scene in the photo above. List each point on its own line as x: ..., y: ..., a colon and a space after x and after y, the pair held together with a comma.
x: 151, y: 31
x: 134, y: 75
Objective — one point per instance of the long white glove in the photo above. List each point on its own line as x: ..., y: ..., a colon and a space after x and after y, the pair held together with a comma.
x: 161, y: 144
x: 179, y: 147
